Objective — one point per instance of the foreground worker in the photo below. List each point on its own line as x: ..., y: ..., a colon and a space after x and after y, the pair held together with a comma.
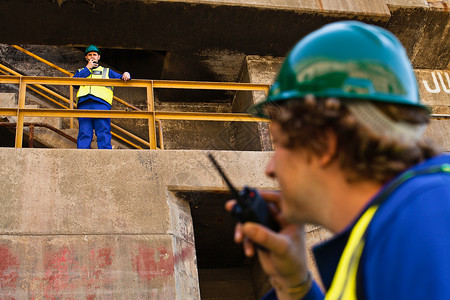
x: 95, y: 98
x: 347, y: 129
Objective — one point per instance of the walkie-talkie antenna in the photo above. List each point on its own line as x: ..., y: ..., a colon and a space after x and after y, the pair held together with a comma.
x: 227, y: 181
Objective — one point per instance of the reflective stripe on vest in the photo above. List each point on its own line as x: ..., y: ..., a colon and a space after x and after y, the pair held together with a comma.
x: 344, y: 283
x: 102, y: 92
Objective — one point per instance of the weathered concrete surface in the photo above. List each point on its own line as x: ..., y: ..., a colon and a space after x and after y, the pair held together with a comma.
x: 424, y: 29
x: 259, y: 70
x: 434, y: 90
x: 109, y: 224
x: 205, y: 135
x: 376, y: 8
x: 80, y: 223
x: 208, y: 26
x: 439, y: 132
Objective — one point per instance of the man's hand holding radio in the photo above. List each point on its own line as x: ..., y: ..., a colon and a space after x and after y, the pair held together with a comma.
x: 92, y: 64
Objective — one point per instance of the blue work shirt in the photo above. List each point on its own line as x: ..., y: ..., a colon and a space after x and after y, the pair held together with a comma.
x: 84, y: 73
x: 407, y: 249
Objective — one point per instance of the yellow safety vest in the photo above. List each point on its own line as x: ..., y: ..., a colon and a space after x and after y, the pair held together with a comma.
x: 343, y: 285
x: 102, y: 92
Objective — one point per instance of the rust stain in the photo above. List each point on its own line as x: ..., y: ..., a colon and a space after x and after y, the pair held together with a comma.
x: 64, y: 271
x: 61, y: 271
x: 99, y: 260
x: 320, y: 4
x: 9, y: 275
x: 151, y: 263
x: 439, y: 3
x: 186, y: 253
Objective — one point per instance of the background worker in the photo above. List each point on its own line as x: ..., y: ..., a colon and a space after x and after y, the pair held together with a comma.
x: 95, y: 98
x: 347, y: 127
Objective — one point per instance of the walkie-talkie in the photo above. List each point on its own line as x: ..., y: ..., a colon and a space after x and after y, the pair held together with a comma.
x: 250, y: 205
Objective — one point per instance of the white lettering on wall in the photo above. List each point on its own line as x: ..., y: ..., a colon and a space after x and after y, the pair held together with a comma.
x: 437, y: 88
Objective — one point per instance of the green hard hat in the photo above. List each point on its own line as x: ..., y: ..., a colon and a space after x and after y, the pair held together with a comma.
x: 350, y: 60
x: 92, y: 48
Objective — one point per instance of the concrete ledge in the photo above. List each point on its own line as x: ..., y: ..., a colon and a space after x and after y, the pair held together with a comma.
x: 361, y: 7
x: 103, y: 223
x: 107, y: 192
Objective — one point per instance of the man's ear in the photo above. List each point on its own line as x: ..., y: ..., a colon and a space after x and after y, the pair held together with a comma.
x: 99, y: 57
x: 330, y: 152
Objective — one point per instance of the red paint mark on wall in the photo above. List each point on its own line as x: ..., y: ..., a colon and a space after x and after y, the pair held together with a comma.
x: 9, y: 274
x: 61, y: 272
x: 185, y: 253
x: 99, y: 260
x: 150, y: 263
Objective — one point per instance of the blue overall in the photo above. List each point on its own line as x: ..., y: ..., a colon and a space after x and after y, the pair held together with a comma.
x: 87, y: 126
x: 407, y: 250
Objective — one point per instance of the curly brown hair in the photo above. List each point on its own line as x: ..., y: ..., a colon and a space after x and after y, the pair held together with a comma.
x: 361, y: 153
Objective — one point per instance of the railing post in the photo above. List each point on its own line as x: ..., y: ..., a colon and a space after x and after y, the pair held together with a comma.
x: 161, y: 138
x: 21, y: 105
x: 71, y: 106
x: 151, y: 119
x: 31, y: 136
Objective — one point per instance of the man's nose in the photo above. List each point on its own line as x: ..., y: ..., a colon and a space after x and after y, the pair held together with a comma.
x: 270, y: 168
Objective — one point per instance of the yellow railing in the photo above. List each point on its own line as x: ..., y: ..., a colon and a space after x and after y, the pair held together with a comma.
x: 65, y: 72
x: 151, y: 114
x: 48, y: 94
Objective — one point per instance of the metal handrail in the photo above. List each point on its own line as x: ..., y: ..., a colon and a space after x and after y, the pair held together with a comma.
x: 114, y: 97
x: 42, y: 60
x: 151, y: 115
x: 66, y: 100
x: 50, y: 64
x: 44, y: 125
x: 71, y: 104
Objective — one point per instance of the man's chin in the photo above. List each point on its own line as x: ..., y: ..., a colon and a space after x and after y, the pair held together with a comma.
x: 292, y: 216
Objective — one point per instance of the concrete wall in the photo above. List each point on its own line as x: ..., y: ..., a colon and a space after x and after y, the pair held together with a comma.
x: 434, y: 90
x: 240, y: 26
x: 101, y: 224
